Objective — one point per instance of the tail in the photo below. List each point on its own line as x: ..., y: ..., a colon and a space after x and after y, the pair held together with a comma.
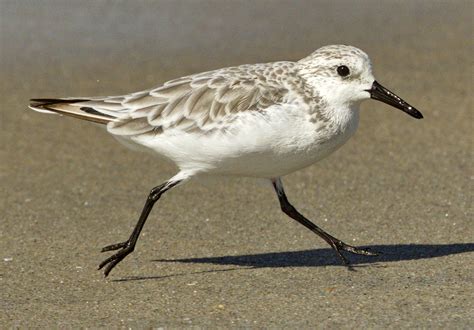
x: 85, y: 109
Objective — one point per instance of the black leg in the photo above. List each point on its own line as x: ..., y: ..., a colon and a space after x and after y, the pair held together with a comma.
x: 128, y: 246
x: 335, y: 243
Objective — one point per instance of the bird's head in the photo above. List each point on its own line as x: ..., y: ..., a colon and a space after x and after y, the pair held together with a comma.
x: 342, y: 76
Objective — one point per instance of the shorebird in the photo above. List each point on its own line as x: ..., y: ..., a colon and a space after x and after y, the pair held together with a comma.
x: 254, y: 120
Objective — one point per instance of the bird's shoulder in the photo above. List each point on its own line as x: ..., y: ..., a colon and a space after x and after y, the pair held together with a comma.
x: 202, y: 101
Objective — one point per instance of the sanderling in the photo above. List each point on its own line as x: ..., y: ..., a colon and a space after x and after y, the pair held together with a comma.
x: 254, y: 120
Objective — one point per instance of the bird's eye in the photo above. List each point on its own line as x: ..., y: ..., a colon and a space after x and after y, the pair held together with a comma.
x: 343, y: 71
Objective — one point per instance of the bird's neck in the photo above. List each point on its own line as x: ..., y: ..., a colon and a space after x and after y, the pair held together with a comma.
x: 342, y: 116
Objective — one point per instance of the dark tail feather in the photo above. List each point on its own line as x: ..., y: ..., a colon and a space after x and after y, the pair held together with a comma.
x: 70, y: 107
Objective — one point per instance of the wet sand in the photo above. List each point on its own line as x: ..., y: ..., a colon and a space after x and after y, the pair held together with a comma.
x: 222, y: 254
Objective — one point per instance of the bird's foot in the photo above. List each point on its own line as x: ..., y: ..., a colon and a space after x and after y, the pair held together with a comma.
x: 339, y: 246
x: 113, y: 247
x: 125, y: 249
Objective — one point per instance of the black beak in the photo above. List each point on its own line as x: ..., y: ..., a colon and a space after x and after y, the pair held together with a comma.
x: 378, y: 92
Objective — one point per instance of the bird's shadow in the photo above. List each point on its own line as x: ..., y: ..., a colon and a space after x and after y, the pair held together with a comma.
x: 322, y: 257
x: 327, y: 257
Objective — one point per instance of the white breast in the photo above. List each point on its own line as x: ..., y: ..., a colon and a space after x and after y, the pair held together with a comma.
x: 270, y: 144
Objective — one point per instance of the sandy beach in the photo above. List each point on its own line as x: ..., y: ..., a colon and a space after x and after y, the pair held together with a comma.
x: 221, y: 254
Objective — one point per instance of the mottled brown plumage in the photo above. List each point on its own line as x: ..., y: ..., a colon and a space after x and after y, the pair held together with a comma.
x: 193, y: 103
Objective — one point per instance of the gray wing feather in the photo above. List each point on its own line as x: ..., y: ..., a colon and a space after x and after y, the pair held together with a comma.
x: 197, y: 102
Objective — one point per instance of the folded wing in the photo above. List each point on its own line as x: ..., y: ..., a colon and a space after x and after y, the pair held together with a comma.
x: 196, y: 102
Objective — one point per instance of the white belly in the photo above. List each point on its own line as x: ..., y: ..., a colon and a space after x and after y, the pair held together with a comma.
x: 255, y: 145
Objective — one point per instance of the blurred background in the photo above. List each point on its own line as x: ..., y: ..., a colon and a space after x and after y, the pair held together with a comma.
x: 400, y: 185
